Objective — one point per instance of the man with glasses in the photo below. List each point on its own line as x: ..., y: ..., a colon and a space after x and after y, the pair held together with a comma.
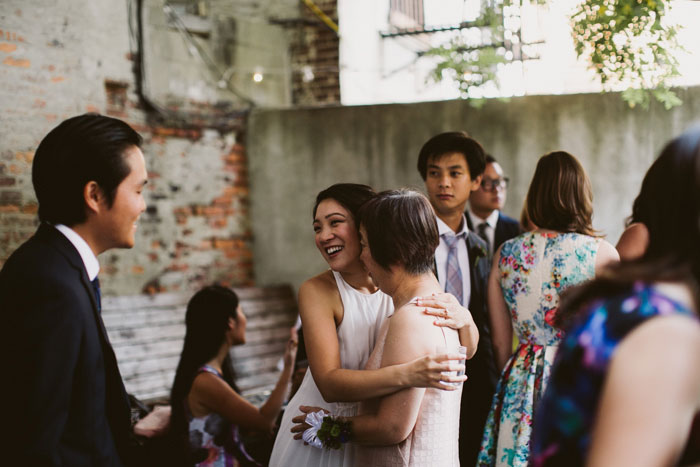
x: 484, y: 215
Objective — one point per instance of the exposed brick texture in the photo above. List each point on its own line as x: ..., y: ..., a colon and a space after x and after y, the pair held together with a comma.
x: 316, y: 46
x: 60, y: 58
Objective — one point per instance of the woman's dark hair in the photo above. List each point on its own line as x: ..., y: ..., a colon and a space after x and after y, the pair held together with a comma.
x: 350, y: 195
x: 401, y: 230
x: 668, y: 202
x: 206, y: 321
x: 560, y: 196
x: 81, y: 149
x: 451, y: 142
x: 669, y: 205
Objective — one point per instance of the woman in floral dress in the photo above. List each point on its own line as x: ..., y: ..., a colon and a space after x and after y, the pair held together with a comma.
x: 528, y: 274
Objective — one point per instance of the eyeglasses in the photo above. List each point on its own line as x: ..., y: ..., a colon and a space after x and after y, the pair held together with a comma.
x: 490, y: 184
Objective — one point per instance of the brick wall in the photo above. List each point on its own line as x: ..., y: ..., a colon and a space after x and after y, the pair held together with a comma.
x: 316, y: 47
x: 60, y: 58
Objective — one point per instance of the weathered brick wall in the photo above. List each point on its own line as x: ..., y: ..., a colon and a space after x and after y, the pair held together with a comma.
x: 66, y: 57
x: 316, y: 46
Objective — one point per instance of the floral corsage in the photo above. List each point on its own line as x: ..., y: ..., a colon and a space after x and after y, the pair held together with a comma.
x: 326, y: 430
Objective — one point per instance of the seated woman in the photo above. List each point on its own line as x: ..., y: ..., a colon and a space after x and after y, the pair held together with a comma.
x: 207, y: 409
x: 625, y: 384
x: 414, y: 426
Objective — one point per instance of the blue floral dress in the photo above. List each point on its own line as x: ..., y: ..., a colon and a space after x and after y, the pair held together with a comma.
x: 534, y: 269
x: 566, y: 413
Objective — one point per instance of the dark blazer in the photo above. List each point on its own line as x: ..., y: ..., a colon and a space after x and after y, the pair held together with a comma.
x: 506, y: 228
x: 482, y: 373
x: 63, y: 396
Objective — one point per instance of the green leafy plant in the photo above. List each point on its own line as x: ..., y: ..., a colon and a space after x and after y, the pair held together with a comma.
x: 625, y: 42
x: 469, y: 67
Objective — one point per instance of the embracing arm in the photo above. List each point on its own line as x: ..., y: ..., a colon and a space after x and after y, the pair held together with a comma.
x: 651, y: 393
x: 397, y: 413
x: 501, y: 325
x: 318, y: 298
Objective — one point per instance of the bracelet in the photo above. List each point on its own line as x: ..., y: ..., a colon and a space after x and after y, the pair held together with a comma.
x: 334, y: 432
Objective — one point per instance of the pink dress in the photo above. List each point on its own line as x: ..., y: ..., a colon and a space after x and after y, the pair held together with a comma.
x: 434, y: 439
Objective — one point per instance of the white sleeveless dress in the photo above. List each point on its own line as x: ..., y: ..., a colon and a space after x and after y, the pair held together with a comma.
x: 362, y: 318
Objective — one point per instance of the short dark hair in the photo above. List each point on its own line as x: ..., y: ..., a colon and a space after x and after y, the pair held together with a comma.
x: 560, y: 197
x: 350, y: 195
x: 489, y: 159
x: 85, y: 148
x: 453, y: 141
x: 401, y: 230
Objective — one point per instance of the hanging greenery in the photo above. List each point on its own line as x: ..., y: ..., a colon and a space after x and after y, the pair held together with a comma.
x: 625, y: 42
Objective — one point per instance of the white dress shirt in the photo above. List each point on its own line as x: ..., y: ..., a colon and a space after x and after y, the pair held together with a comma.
x: 490, y: 221
x: 462, y: 258
x: 92, y: 266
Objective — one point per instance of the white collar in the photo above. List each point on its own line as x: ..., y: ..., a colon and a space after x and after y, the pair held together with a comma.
x: 445, y: 229
x: 92, y: 266
x: 491, y: 220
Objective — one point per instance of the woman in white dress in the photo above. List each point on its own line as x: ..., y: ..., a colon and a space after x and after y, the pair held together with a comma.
x: 341, y: 312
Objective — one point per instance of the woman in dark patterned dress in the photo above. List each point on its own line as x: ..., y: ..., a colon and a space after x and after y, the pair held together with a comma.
x: 207, y: 408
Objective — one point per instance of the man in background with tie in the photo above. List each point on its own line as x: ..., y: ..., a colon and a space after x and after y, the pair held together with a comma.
x: 64, y: 400
x: 484, y: 215
x: 451, y: 164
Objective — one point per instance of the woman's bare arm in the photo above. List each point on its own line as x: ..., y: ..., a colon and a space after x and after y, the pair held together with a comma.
x: 651, y: 393
x: 318, y: 304
x: 407, y: 338
x: 633, y: 242
x: 499, y: 316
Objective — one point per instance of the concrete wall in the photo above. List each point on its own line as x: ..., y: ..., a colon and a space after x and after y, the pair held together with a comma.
x: 60, y: 58
x: 293, y: 154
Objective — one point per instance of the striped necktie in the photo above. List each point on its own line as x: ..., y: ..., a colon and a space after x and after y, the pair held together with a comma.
x: 453, y: 283
x: 481, y: 231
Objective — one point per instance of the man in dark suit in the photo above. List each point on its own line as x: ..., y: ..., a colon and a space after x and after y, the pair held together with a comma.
x: 65, y: 403
x: 484, y: 215
x: 451, y: 164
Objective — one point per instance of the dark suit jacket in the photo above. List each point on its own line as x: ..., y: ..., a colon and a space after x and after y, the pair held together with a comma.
x: 506, y: 228
x: 64, y: 400
x: 482, y: 373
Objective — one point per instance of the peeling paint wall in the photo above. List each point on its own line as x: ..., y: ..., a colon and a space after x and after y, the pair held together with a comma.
x: 61, y: 58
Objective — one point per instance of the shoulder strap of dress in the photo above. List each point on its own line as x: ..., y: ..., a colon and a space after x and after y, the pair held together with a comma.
x: 208, y: 369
